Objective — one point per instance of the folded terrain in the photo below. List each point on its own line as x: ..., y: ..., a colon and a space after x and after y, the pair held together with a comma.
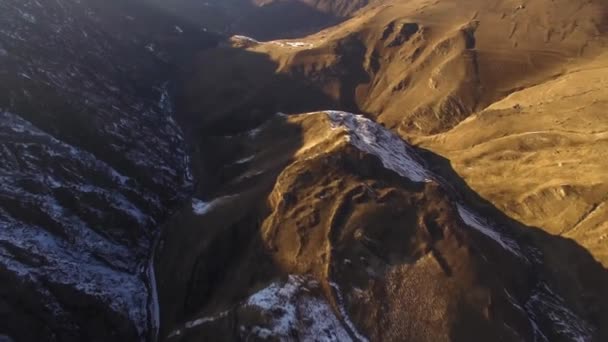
x: 506, y: 98
x: 192, y: 171
x: 532, y: 71
x: 91, y: 161
x: 328, y: 226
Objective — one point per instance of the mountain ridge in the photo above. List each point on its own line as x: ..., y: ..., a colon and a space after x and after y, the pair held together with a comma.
x: 171, y: 171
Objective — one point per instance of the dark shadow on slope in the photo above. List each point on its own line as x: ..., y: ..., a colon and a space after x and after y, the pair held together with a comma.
x: 209, y: 262
x: 352, y: 52
x: 565, y: 265
x: 268, y: 21
x: 282, y: 20
x: 226, y: 92
x: 228, y: 106
x: 80, y: 72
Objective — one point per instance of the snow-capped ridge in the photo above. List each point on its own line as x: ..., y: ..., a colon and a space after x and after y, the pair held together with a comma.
x: 290, y: 303
x: 396, y: 155
x: 372, y: 138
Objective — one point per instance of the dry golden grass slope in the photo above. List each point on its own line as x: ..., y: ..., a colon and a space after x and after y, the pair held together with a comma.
x: 540, y: 155
x: 422, y: 66
x: 512, y: 93
x: 532, y: 72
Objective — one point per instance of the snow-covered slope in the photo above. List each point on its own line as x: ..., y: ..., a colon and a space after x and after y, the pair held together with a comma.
x: 91, y: 159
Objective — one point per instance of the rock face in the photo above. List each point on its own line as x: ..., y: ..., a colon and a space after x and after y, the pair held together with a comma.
x: 90, y: 161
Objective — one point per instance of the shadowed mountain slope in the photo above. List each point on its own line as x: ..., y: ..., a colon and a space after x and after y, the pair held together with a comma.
x: 91, y: 161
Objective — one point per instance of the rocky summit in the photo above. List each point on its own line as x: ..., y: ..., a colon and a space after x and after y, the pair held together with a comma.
x: 303, y: 170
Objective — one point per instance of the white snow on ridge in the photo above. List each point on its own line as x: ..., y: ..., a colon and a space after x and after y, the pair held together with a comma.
x: 69, y: 246
x: 292, y: 44
x: 255, y: 131
x: 397, y: 156
x: 290, y: 307
x: 543, y: 307
x: 372, y: 138
x: 298, y: 44
x: 199, y: 207
x: 477, y: 223
x: 75, y: 266
x: 245, y: 38
x: 286, y: 307
x: 547, y: 305
x: 245, y: 160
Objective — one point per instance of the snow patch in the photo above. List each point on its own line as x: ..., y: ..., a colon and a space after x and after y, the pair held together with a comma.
x: 67, y: 248
x: 290, y: 306
x: 245, y: 38
x: 545, y: 306
x: 293, y: 44
x: 482, y: 226
x: 245, y: 160
x: 372, y: 138
x: 201, y: 321
x: 201, y: 208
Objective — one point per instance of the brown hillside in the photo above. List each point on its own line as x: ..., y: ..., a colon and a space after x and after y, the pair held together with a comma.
x: 422, y: 67
x: 510, y: 93
x: 537, y: 155
x: 332, y: 224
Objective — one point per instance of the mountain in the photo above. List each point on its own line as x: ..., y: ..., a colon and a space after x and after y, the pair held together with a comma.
x: 338, y: 229
x: 264, y: 19
x: 92, y: 161
x: 487, y: 91
x: 187, y: 171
